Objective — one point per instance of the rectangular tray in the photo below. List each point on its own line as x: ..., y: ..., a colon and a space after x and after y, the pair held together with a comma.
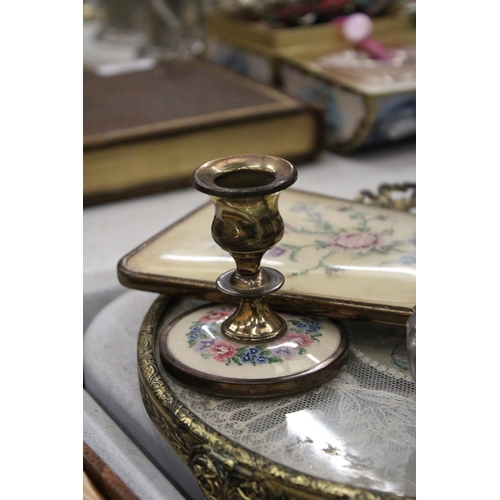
x: 340, y: 259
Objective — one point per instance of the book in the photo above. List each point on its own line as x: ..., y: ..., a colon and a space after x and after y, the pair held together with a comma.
x: 147, y: 131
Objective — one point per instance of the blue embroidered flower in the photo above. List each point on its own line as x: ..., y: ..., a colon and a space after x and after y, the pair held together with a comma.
x: 408, y: 260
x: 250, y: 355
x: 311, y: 325
x: 301, y: 325
x: 196, y: 329
x: 246, y: 358
x: 260, y: 360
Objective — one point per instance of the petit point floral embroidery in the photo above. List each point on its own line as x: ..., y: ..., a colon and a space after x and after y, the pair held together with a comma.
x: 204, y: 337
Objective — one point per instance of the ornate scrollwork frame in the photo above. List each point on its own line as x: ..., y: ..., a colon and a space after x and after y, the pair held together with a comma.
x: 224, y: 470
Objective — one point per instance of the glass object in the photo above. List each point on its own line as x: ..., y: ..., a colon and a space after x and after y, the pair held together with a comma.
x: 123, y: 21
x: 411, y: 343
x: 175, y: 29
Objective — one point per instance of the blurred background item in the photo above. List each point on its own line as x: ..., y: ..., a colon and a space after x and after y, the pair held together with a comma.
x: 353, y: 62
x: 175, y: 29
x: 122, y: 21
x: 411, y: 343
x: 163, y: 29
x: 366, y: 86
x: 288, y: 13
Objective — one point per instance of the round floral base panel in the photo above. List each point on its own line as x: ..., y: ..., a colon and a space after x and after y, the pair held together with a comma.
x: 195, y: 341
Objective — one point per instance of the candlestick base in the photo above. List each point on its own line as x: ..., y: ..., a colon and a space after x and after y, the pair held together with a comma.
x: 194, y: 350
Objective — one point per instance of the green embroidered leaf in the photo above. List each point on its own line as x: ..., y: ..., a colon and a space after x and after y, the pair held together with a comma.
x: 274, y: 359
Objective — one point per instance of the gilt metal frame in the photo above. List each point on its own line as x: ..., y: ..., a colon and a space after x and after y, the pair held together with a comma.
x: 224, y: 469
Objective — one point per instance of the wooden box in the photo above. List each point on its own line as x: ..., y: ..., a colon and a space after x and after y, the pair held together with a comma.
x: 357, y: 115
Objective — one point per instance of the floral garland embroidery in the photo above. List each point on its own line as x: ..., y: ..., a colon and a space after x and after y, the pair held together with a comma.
x: 204, y: 338
x: 358, y: 241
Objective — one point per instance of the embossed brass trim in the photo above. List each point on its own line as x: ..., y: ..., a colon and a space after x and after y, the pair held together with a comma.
x: 224, y: 469
x: 385, y: 196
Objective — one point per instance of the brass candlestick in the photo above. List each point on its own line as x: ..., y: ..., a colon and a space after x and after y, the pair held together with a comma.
x: 247, y: 223
x: 250, y: 351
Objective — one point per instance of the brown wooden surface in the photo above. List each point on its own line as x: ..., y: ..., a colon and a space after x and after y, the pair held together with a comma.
x: 107, y: 483
x: 90, y: 492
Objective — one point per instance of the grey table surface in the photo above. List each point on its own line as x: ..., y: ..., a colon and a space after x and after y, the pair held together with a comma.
x: 125, y: 459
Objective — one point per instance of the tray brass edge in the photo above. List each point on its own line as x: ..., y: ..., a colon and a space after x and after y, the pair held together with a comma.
x: 222, y: 468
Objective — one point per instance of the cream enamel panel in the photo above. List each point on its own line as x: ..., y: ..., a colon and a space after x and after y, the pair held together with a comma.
x: 331, y: 248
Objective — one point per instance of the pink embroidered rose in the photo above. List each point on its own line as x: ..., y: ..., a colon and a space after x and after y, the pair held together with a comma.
x: 333, y: 271
x: 301, y: 339
x: 215, y: 316
x: 222, y: 351
x: 355, y: 241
